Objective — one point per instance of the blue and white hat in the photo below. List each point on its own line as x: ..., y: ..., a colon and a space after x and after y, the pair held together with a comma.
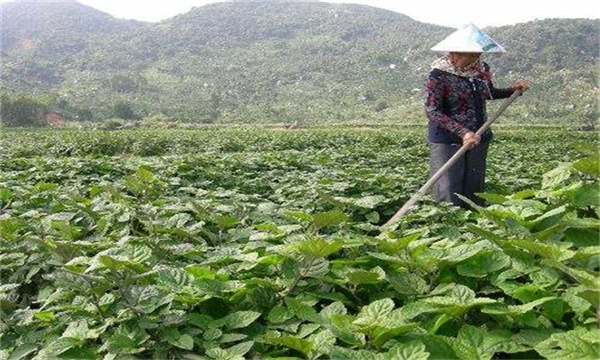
x: 469, y: 39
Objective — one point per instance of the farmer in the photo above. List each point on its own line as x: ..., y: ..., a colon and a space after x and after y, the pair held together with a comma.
x: 457, y: 88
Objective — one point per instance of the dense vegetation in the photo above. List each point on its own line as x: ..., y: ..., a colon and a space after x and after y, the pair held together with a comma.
x: 255, y: 244
x: 271, y: 62
x: 238, y: 242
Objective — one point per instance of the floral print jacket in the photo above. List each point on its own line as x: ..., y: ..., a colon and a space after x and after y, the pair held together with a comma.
x: 456, y: 105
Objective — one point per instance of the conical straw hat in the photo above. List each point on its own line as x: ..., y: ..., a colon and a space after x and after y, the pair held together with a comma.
x: 469, y: 39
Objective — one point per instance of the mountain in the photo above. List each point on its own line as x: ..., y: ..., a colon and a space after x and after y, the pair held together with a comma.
x: 273, y: 62
x: 39, y: 35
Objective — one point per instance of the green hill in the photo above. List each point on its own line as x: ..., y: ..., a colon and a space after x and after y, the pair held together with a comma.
x: 40, y: 39
x: 274, y: 62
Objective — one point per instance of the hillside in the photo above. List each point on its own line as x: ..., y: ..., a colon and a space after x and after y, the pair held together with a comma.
x: 277, y: 62
x: 37, y: 36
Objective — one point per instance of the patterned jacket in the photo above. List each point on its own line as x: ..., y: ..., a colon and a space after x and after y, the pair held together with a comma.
x: 456, y: 105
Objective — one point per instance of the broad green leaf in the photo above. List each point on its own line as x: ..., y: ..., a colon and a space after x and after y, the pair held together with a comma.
x: 373, y: 217
x: 372, y: 276
x: 212, y: 334
x: 408, y: 283
x: 382, y: 337
x: 302, y: 310
x: 148, y: 298
x: 79, y: 330
x: 317, y: 248
x: 457, y: 301
x: 517, y: 309
x: 581, y: 237
x: 227, y: 338
x: 5, y: 196
x: 410, y: 351
x: 329, y: 218
x: 45, y: 316
x: 374, y: 313
x: 555, y: 310
x: 398, y: 261
x: 220, y: 354
x: 576, y: 344
x: 57, y: 347
x: 238, y: 319
x: 548, y: 251
x: 545, y: 277
x: 556, y: 177
x: 178, y: 220
x: 587, y: 195
x: 200, y: 272
x: 226, y: 221
x: 579, y: 305
x: 416, y: 308
x: 549, y: 218
x: 341, y: 326
x: 145, y: 174
x: 336, y: 307
x: 318, y: 268
x: 173, y: 278
x: 81, y: 353
x: 279, y: 314
x: 22, y: 351
x: 301, y: 216
x: 322, y: 341
x: 470, y: 344
x: 438, y: 346
x: 492, y: 198
x: 10, y: 228
x: 394, y: 246
x: 524, y: 194
x: 532, y: 337
x: 307, y: 329
x: 483, y: 264
x: 369, y: 202
x: 340, y: 353
x: 586, y: 278
x: 589, y: 165
x: 127, y: 339
x: 200, y: 320
x: 486, y: 234
x: 185, y: 341
x: 240, y: 349
x: 120, y: 264
x: 462, y: 252
x: 292, y: 342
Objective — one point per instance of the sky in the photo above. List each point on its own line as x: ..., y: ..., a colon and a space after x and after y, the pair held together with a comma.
x: 452, y: 13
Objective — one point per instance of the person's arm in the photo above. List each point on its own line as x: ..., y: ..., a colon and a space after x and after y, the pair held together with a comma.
x: 500, y: 93
x: 503, y: 93
x: 435, y: 92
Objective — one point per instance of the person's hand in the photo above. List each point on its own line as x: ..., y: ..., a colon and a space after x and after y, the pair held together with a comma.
x: 521, y: 85
x: 471, y: 139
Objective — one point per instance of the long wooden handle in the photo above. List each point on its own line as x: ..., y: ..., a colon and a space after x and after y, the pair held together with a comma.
x: 413, y: 200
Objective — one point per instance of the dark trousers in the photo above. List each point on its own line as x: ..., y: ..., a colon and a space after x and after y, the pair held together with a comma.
x: 466, y: 177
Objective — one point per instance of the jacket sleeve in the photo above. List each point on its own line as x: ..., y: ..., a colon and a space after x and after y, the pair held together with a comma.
x: 497, y: 93
x: 435, y: 92
x: 502, y: 93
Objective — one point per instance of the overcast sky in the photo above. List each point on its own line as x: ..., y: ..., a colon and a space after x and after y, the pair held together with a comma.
x: 453, y: 13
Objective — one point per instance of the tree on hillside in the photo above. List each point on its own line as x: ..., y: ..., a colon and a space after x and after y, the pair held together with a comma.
x: 22, y: 110
x: 123, y: 110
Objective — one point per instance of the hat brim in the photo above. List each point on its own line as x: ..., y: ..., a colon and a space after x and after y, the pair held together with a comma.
x: 469, y: 39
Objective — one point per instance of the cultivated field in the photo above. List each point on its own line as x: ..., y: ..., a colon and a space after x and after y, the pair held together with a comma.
x: 264, y: 243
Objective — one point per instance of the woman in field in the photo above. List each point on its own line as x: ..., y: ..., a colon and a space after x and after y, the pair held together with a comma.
x: 457, y: 88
